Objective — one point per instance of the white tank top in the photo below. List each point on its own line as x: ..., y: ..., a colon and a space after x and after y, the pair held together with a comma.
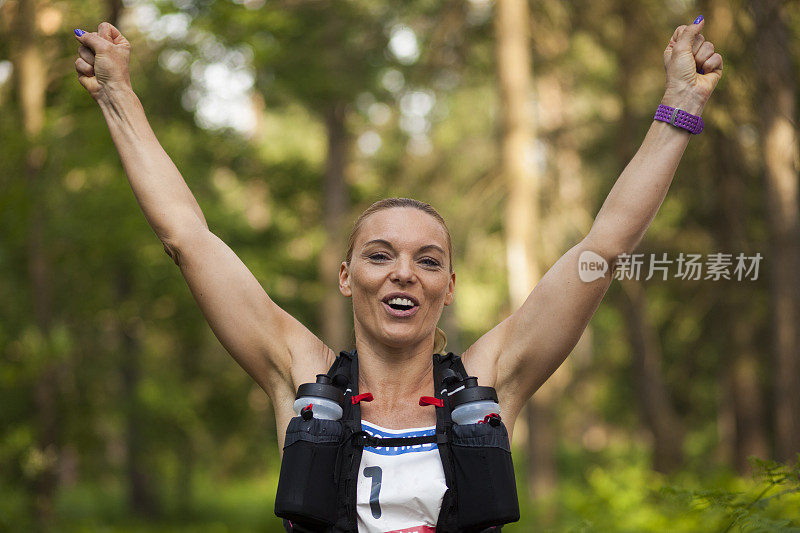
x: 400, y: 489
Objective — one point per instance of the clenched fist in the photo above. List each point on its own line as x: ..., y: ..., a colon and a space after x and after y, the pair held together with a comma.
x: 693, y: 68
x: 104, y: 62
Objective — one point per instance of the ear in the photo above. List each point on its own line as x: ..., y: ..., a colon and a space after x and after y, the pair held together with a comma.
x: 451, y: 288
x: 344, y: 280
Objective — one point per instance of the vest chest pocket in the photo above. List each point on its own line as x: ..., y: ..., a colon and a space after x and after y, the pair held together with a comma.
x: 307, y: 491
x: 484, y: 476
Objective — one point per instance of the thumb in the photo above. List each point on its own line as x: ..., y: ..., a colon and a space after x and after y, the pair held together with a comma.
x: 93, y: 41
x: 691, y: 31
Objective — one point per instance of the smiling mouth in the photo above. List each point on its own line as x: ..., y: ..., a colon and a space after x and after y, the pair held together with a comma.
x: 399, y: 306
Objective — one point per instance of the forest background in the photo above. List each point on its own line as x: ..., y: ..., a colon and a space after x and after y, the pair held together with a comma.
x: 120, y: 411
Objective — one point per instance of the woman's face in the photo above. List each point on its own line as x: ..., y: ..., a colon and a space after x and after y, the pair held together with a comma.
x: 399, y: 276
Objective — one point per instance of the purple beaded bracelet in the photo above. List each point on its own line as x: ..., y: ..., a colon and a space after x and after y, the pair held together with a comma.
x: 679, y: 118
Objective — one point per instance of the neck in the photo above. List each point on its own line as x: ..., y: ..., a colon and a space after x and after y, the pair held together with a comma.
x: 395, y: 376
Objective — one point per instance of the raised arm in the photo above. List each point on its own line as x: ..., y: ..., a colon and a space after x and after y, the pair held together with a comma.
x: 164, y: 197
x: 265, y: 340
x: 525, y: 349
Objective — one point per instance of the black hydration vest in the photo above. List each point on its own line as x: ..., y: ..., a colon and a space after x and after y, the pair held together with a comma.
x: 321, y: 459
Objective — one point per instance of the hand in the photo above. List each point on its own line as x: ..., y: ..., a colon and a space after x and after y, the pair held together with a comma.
x: 104, y: 62
x: 686, y: 53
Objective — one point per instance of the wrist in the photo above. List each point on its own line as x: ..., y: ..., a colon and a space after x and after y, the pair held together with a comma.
x: 114, y: 96
x: 681, y: 100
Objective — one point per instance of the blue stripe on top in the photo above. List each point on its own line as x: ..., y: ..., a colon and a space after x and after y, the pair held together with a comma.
x: 398, y: 450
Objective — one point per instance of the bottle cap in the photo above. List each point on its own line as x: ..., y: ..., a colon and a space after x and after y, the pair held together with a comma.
x: 323, y: 388
x: 472, y: 392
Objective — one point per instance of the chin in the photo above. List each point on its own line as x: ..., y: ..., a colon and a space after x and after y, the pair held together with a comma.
x: 399, y: 338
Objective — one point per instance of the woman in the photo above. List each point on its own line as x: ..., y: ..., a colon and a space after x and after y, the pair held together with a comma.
x: 399, y: 274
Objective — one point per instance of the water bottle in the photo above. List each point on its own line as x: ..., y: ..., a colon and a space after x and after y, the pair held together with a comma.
x: 324, y: 398
x: 472, y: 403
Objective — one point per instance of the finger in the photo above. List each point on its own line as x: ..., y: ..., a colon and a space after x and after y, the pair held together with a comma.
x: 677, y: 33
x: 670, y: 47
x: 686, y: 38
x: 697, y: 43
x: 705, y: 51
x: 83, y: 67
x: 104, y: 31
x: 86, y: 54
x: 713, y: 63
x: 89, y: 83
x: 94, y: 42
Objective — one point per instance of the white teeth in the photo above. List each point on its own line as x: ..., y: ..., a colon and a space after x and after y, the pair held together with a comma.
x: 401, y: 301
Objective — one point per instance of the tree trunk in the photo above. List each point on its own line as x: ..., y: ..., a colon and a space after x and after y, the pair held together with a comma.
x: 140, y: 497
x: 742, y: 410
x: 115, y: 8
x: 780, y: 146
x: 183, y: 481
x: 522, y: 219
x: 748, y: 404
x: 30, y: 70
x: 334, y: 319
x: 191, y: 345
x: 656, y: 409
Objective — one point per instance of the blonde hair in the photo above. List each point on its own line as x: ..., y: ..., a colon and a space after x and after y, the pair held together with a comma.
x: 439, y: 341
x: 440, y: 338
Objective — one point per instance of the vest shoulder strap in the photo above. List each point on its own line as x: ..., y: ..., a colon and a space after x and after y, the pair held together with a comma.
x: 449, y: 361
x: 341, y: 370
x: 447, y: 520
x: 344, y: 374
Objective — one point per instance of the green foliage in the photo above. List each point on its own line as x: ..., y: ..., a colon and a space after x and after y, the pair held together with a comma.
x: 616, y: 490
x: 770, y: 505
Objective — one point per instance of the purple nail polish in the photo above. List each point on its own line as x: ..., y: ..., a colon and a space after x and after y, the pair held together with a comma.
x: 698, y: 19
x: 701, y: 71
x: 79, y: 32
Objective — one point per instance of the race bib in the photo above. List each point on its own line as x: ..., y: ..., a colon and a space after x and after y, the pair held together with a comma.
x: 400, y: 489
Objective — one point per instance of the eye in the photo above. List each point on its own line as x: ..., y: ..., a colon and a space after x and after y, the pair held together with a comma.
x: 429, y: 261
x: 378, y: 256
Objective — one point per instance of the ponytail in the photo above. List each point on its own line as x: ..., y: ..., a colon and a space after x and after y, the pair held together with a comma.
x: 439, y: 341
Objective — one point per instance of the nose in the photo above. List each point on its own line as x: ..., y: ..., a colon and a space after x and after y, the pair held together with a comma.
x: 403, y: 271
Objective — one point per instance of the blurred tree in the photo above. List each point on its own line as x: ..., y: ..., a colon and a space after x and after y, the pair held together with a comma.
x: 30, y: 63
x: 743, y: 396
x: 654, y: 399
x: 323, y: 66
x: 334, y: 318
x: 742, y: 410
x: 778, y: 83
x: 522, y: 213
x: 114, y: 9
x: 141, y: 500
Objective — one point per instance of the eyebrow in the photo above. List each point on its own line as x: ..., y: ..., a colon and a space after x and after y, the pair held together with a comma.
x: 389, y: 245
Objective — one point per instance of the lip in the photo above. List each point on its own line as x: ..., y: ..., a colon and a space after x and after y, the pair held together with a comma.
x: 398, y: 313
